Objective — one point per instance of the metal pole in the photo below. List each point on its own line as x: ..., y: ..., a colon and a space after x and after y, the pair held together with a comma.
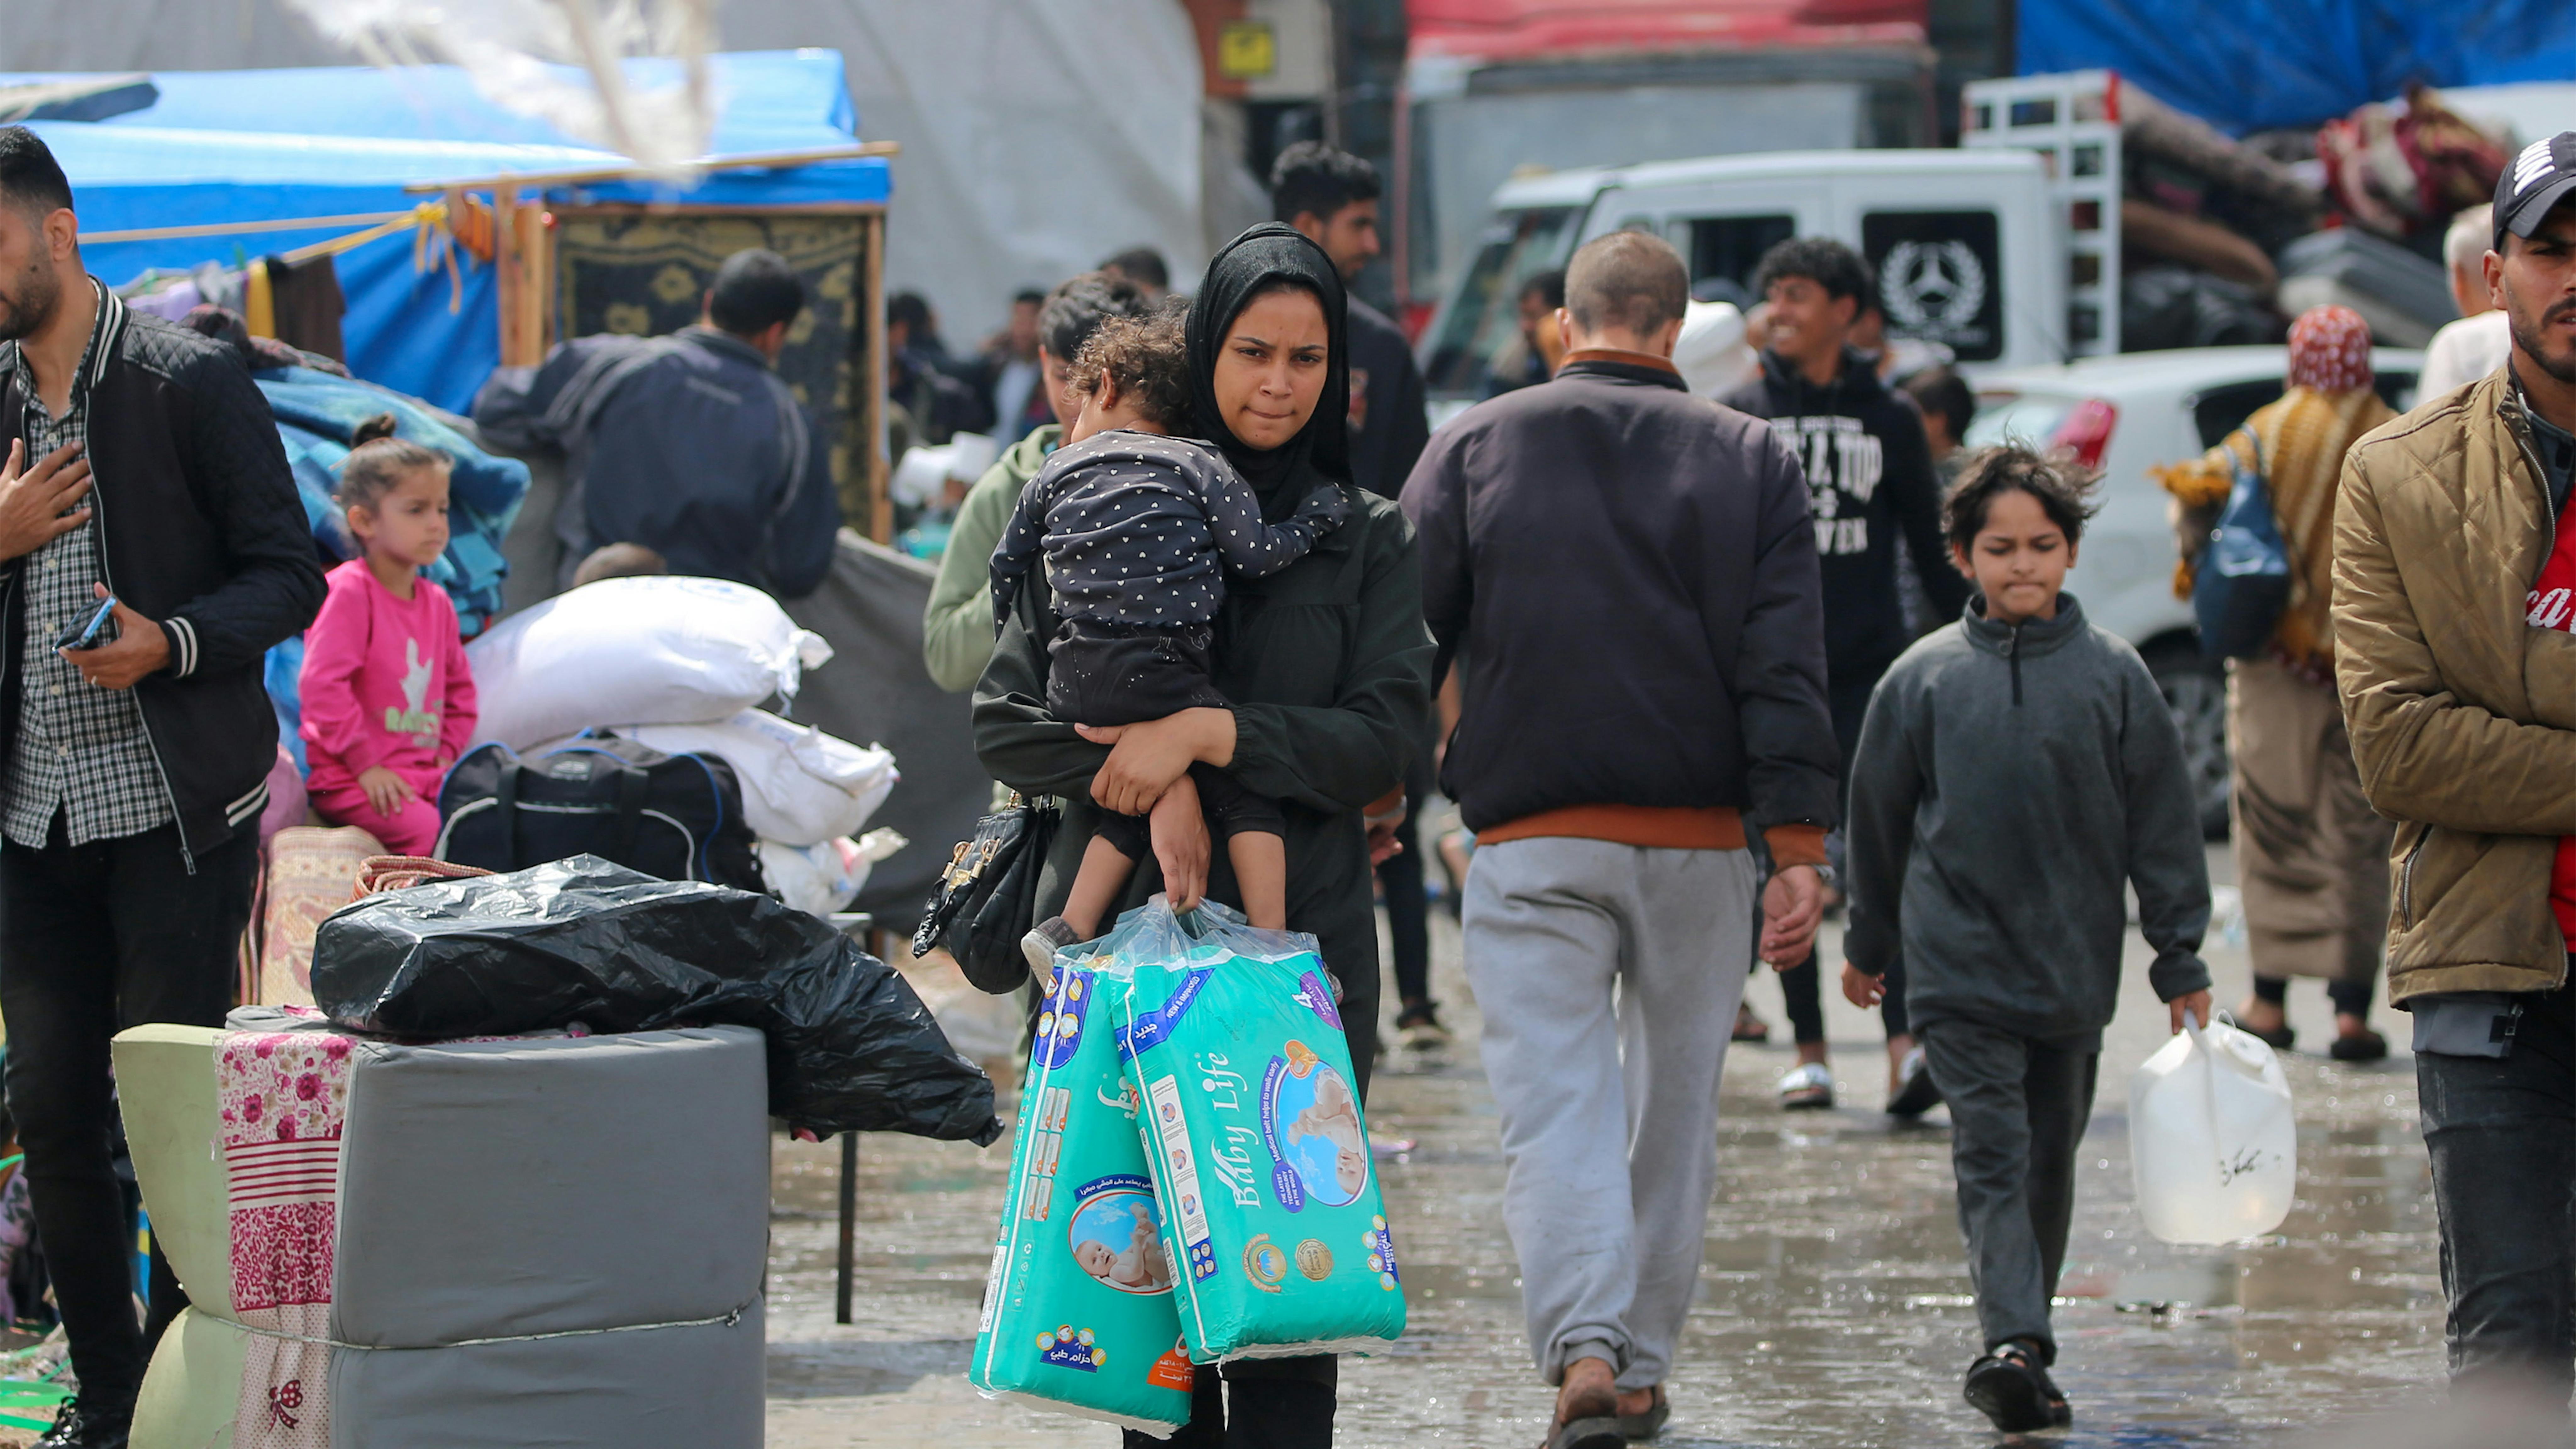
x: 849, y: 1224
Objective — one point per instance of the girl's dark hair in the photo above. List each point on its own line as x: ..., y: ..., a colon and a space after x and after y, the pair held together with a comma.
x: 2063, y: 487
x: 378, y: 461
x: 1147, y: 359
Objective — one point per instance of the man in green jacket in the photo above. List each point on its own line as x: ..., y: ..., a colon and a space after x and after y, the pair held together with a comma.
x: 957, y: 628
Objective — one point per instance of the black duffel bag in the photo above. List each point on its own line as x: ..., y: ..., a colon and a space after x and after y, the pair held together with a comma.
x: 678, y: 817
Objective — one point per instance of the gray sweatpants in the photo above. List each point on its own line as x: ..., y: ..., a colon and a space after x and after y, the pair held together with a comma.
x: 2018, y: 1106
x: 1608, y: 977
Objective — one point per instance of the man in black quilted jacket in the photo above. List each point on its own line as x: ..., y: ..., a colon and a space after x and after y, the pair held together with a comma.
x: 144, y: 481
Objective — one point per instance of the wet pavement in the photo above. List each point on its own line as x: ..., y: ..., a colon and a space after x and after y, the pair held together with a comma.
x: 1833, y: 1308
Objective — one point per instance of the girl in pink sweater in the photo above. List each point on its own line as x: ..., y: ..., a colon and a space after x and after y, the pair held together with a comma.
x: 388, y: 700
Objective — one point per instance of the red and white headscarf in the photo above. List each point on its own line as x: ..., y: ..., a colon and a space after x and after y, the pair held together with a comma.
x: 2330, y: 350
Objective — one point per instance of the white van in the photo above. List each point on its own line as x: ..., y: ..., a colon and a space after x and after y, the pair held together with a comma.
x: 1966, y: 245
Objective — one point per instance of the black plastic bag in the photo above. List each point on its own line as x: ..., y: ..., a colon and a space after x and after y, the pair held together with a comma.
x: 851, y: 1048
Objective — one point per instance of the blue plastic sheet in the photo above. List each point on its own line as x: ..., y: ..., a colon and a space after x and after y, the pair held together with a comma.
x: 2248, y: 67
x: 260, y: 145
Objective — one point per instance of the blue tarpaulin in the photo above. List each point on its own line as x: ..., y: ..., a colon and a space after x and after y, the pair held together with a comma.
x: 231, y: 146
x: 2246, y: 67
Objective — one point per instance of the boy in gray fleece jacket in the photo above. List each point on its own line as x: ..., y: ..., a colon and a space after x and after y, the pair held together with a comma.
x: 2016, y: 770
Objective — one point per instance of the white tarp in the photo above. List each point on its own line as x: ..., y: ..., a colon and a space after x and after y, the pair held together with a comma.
x: 1039, y: 136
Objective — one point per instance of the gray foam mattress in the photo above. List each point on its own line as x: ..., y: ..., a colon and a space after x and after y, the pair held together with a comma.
x: 660, y: 1388
x: 493, y: 1189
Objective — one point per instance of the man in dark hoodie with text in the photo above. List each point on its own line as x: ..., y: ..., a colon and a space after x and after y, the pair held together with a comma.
x: 1869, y: 478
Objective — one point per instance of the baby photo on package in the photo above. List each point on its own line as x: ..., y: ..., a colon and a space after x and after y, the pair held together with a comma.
x: 1258, y: 1144
x: 1078, y: 1312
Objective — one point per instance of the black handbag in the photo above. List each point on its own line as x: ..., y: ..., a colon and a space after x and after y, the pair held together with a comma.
x: 987, y: 898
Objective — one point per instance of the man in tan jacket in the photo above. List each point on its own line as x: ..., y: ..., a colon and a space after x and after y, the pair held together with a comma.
x: 2455, y: 567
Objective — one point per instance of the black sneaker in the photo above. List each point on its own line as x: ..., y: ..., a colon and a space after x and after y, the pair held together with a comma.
x: 80, y: 1426
x: 1043, y: 941
x: 1419, y: 1026
x: 1916, y: 1093
x: 2010, y: 1388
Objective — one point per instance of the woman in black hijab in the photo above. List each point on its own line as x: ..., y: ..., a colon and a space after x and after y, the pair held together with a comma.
x: 1328, y: 666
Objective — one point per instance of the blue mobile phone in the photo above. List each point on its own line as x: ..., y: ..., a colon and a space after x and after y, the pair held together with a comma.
x: 91, y: 632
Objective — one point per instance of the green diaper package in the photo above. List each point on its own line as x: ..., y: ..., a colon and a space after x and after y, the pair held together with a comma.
x: 1258, y: 1146
x: 1078, y: 1313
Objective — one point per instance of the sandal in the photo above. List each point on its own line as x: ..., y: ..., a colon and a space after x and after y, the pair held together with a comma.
x: 1808, y: 1086
x: 1749, y: 1027
x: 2278, y: 1038
x: 1591, y: 1433
x: 2008, y: 1386
x: 1638, y: 1427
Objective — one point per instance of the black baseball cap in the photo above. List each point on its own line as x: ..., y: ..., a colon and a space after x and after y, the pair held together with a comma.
x: 2541, y: 177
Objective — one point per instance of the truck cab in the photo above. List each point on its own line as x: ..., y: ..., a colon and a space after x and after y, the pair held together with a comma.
x: 1964, y: 242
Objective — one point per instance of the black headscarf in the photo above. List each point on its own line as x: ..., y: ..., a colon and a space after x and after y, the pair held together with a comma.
x: 1262, y: 258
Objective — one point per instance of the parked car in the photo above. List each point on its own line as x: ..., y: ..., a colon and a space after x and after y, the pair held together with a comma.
x: 2125, y: 414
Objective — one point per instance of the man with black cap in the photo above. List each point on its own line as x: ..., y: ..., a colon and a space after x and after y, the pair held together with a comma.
x: 2455, y: 568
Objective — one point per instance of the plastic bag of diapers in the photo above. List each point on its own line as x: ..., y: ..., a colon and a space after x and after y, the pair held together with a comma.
x: 1258, y: 1145
x: 1078, y: 1313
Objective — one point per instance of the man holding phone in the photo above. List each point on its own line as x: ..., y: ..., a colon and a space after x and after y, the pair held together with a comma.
x: 152, y: 549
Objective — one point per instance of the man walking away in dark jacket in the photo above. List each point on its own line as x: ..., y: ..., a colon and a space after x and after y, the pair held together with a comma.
x: 1610, y: 530
x: 144, y: 474
x: 691, y: 444
x: 1332, y: 196
x: 1869, y: 476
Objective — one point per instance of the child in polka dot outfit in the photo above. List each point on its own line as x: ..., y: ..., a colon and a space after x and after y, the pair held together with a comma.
x: 1136, y: 528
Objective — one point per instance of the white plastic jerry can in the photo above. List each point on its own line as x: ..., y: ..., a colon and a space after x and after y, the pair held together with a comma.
x: 2212, y: 1137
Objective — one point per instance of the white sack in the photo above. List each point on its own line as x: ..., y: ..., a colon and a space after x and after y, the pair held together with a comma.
x: 799, y: 785
x: 821, y: 879
x: 635, y: 651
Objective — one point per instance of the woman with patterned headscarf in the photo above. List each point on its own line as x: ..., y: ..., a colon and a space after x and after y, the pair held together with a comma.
x: 2311, y: 855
